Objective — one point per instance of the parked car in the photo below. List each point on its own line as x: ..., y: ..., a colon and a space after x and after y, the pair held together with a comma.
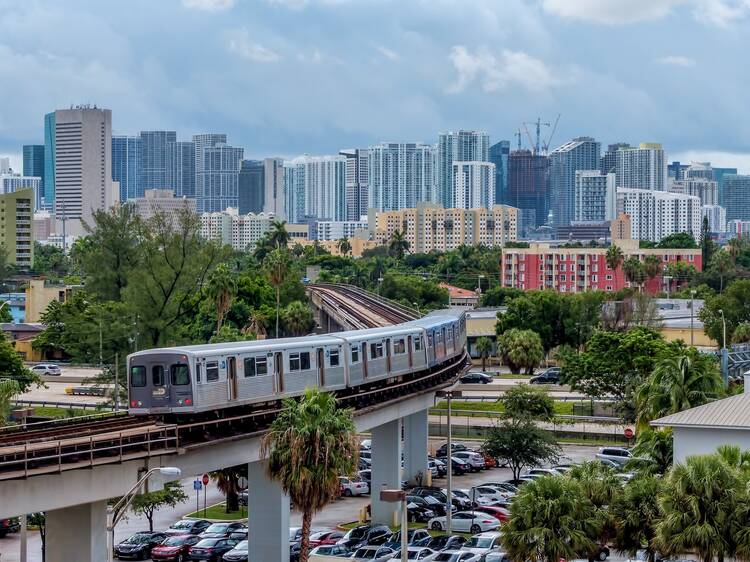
x: 499, y: 513
x: 174, y: 548
x: 507, y: 487
x: 475, y: 377
x: 619, y: 455
x: 439, y: 466
x: 188, y: 527
x: 543, y: 472
x: 10, y: 525
x: 354, y: 486
x: 490, y: 492
x: 440, y: 495
x: 326, y: 550
x: 549, y: 376
x: 239, y: 534
x: 366, y: 444
x: 373, y: 554
x: 446, y: 542
x: 459, y: 466
x: 416, y: 553
x: 418, y: 513
x: 325, y: 537
x: 46, y: 369
x: 413, y: 537
x: 237, y: 554
x: 211, y: 549
x: 220, y: 530
x: 466, y: 522
x: 443, y: 449
x: 497, y: 556
x: 482, y: 543
x: 457, y: 556
x: 428, y: 503
x: 364, y: 464
x: 138, y: 546
x: 366, y: 534
x: 474, y: 460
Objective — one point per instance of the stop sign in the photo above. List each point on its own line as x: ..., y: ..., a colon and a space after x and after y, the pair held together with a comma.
x: 629, y: 432
x: 205, y: 479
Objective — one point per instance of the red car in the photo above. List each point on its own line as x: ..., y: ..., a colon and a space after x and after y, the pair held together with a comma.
x: 175, y: 548
x: 499, y: 513
x: 325, y: 537
x: 489, y: 462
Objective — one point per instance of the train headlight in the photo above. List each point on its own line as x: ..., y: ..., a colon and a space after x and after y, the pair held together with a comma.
x: 180, y: 402
x: 140, y: 403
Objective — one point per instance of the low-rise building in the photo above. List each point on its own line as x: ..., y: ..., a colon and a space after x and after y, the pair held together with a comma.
x: 162, y: 201
x: 242, y: 232
x: 40, y: 293
x: 335, y: 230
x: 16, y: 235
x: 458, y: 297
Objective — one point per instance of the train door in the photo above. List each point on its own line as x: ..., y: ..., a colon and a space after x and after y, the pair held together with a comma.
x: 409, y: 344
x: 445, y: 344
x: 388, y: 355
x: 160, y: 389
x: 364, y: 360
x: 321, y: 368
x: 278, y: 362
x: 232, y: 378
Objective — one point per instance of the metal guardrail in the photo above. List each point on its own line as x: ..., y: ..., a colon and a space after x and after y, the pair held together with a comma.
x: 63, y: 405
x: 495, y: 398
x: 485, y: 414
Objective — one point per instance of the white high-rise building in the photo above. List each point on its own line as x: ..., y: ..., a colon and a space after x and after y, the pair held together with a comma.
x: 242, y: 232
x: 335, y: 230
x: 318, y: 187
x: 473, y: 185
x: 706, y: 190
x: 274, y: 201
x: 5, y: 165
x: 656, y: 214
x: 400, y: 175
x: 595, y: 196
x: 83, y: 165
x: 644, y: 167
x: 459, y: 146
x: 356, y: 182
x: 717, y: 217
x: 10, y: 182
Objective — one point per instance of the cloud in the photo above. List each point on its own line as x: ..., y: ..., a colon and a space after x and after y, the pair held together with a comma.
x: 511, y: 68
x: 718, y: 158
x: 676, y: 60
x: 721, y: 12
x: 291, y: 4
x: 610, y: 12
x: 208, y: 5
x: 241, y: 45
x: 388, y: 53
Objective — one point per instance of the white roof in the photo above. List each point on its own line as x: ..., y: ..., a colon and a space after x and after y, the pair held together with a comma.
x: 729, y: 413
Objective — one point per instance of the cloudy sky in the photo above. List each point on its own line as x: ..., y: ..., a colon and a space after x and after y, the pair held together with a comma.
x: 283, y: 77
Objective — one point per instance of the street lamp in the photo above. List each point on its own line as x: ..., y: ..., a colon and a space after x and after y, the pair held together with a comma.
x: 416, y: 305
x: 692, y: 311
x: 448, y: 394
x: 479, y: 284
x: 668, y: 279
x: 399, y: 496
x: 724, y: 330
x: 116, y: 512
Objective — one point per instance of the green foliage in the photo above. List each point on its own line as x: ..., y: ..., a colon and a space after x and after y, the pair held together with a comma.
x: 50, y: 260
x: 520, y: 350
x: 12, y: 367
x: 150, y: 503
x: 614, y: 257
x: 297, y: 319
x: 653, y: 452
x: 9, y: 389
x: 228, y: 482
x: 5, y: 315
x: 411, y: 289
x: 741, y: 333
x: 277, y: 265
x: 678, y: 240
x: 229, y: 333
x: 222, y: 287
x: 497, y: 296
x: 633, y: 270
x: 524, y: 401
x: 521, y: 443
x: 636, y: 513
x: 398, y: 245
x: 484, y: 348
x: 735, y: 302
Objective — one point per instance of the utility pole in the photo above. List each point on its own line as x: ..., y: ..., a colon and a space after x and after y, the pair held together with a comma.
x: 692, y: 313
x: 101, y: 358
x: 449, y: 462
x: 117, y: 383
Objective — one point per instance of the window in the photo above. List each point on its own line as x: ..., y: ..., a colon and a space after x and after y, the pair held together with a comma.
x: 299, y: 361
x: 255, y: 366
x: 212, y: 371
x: 376, y: 350
x: 399, y: 347
x: 563, y: 278
x: 249, y: 363
x: 333, y: 358
x: 609, y: 278
x: 355, y: 354
x: 418, y: 343
x: 157, y: 375
x: 179, y: 375
x: 198, y: 369
x: 430, y: 341
x: 138, y: 376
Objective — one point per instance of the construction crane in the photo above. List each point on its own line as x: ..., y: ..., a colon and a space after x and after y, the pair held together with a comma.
x: 517, y: 134
x: 539, y: 145
x: 546, y: 144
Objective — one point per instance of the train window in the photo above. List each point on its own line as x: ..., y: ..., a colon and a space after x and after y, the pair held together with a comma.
x: 179, y: 375
x: 198, y: 368
x: 355, y: 354
x: 333, y: 358
x: 249, y: 366
x: 157, y: 375
x: 429, y: 340
x: 299, y: 361
x: 418, y: 343
x: 138, y: 376
x: 261, y: 366
x: 399, y: 347
x: 212, y: 371
x: 376, y: 350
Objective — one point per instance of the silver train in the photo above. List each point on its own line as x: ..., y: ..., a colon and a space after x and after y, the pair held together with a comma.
x: 206, y: 378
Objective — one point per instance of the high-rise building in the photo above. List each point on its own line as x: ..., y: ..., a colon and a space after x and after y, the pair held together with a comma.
x: 83, y: 165
x: 200, y: 143
x: 473, y: 185
x: 464, y: 146
x: 498, y: 155
x: 595, y: 196
x: 251, y: 186
x: 719, y: 174
x: 319, y: 187
x: 643, y: 167
x: 336, y: 230
x: 527, y: 188
x: 274, y: 200
x: 162, y: 201
x: 735, y: 196
x: 16, y: 215
x: 356, y: 182
x: 608, y: 161
x: 10, y: 183
x: 400, y: 175
x: 5, y: 166
x: 33, y: 161
x: 656, y: 214
x: 48, y: 200
x: 218, y: 178
x: 126, y: 153
x: 242, y: 232
x: 154, y: 160
x: 738, y: 228
x: 581, y: 153
x: 705, y: 189
x: 717, y: 218
x: 676, y: 170
x: 700, y: 170
x: 181, y: 168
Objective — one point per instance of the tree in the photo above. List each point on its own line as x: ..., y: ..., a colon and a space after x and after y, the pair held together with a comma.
x: 521, y: 443
x: 678, y: 240
x: 652, y: 266
x: 721, y: 263
x: 707, y: 245
x: 49, y: 260
x: 636, y: 513
x: 735, y: 304
x: 678, y: 382
x: 298, y: 319
x: 277, y: 268
x: 13, y: 369
x: 521, y: 349
x: 222, y: 287
x: 653, y: 452
x: 408, y: 289
x: 633, y: 270
x: 614, y: 257
x: 398, y: 245
x: 497, y: 296
x: 308, y: 446
x: 9, y: 389
x: 5, y: 315
x: 150, y: 503
x: 278, y: 235
x: 484, y: 348
x: 741, y: 333
x: 525, y: 401
x: 345, y: 247
x: 228, y: 482
x: 549, y: 521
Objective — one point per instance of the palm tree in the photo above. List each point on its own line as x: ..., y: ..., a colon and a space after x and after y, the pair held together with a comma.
x: 398, y: 245
x: 734, y: 248
x: 298, y: 319
x: 678, y: 382
x: 222, y: 287
x: 721, y: 263
x: 614, y: 257
x: 345, y: 247
x: 549, y: 520
x: 262, y: 247
x: 277, y: 268
x: 697, y: 505
x: 652, y: 266
x: 635, y: 513
x: 484, y: 348
x: 278, y: 235
x: 308, y: 446
x: 227, y: 481
x: 653, y: 452
x: 633, y: 270
x: 741, y: 333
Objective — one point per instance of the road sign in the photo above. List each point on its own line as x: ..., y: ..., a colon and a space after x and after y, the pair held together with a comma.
x: 197, y: 485
x: 205, y: 479
x: 242, y: 481
x: 629, y: 433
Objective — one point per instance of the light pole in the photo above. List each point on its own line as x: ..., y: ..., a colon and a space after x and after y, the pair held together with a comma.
x: 380, y: 281
x: 479, y: 284
x: 692, y: 313
x: 416, y: 305
x: 115, y: 512
x: 449, y: 459
x: 668, y: 279
x: 724, y: 329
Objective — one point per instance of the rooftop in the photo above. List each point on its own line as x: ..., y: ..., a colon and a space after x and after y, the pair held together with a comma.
x: 729, y: 413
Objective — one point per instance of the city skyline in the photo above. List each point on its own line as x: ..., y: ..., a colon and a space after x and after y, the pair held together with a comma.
x: 416, y: 71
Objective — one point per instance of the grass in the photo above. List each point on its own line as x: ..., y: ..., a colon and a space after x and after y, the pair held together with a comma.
x: 511, y: 376
x: 218, y: 512
x: 348, y: 526
x: 61, y: 413
x: 457, y: 406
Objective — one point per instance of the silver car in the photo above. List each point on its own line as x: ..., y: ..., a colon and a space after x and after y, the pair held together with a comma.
x: 46, y: 369
x: 619, y: 455
x: 474, y: 460
x: 373, y: 554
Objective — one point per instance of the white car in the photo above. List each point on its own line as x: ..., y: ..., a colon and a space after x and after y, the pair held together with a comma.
x: 373, y: 554
x: 490, y: 493
x: 46, y: 369
x: 543, y: 472
x: 416, y: 553
x: 457, y: 556
x: 482, y: 543
x: 466, y: 522
x: 474, y: 460
x: 328, y: 551
x: 618, y: 455
x: 366, y: 444
x: 353, y: 486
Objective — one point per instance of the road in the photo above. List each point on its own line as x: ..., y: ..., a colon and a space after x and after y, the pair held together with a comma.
x: 340, y: 511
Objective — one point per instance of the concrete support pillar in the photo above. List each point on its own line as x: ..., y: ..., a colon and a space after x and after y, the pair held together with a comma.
x: 267, y: 516
x: 415, y: 448
x: 386, y: 471
x: 77, y: 533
